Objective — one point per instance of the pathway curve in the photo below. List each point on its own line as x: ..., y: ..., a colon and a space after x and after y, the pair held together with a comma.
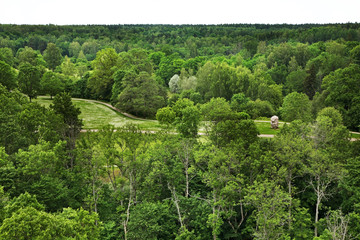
x: 114, y: 108
x: 143, y: 119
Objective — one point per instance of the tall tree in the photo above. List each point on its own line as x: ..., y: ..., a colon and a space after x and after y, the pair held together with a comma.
x: 51, y: 84
x: 296, y: 106
x: 63, y: 105
x: 270, y: 204
x: 52, y: 56
x: 7, y: 76
x: 102, y: 80
x: 343, y: 93
x: 29, y: 80
x: 142, y: 95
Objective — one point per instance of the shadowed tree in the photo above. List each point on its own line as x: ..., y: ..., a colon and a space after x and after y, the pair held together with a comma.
x: 29, y: 80
x: 52, y: 56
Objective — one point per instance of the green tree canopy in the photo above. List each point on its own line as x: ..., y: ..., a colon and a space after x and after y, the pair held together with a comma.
x: 51, y: 84
x: 29, y: 80
x: 52, y: 56
x: 7, y: 75
x: 142, y: 95
x: 101, y: 80
x: 296, y: 106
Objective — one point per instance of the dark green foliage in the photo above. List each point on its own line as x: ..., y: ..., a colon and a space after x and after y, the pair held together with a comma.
x: 7, y: 76
x: 225, y: 184
x: 52, y: 56
x: 63, y: 106
x: 142, y: 95
x: 51, y: 84
x: 80, y: 88
x: 152, y: 221
x: 29, y: 80
x: 343, y: 89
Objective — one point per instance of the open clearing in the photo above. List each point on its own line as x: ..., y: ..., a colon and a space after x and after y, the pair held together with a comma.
x: 96, y: 114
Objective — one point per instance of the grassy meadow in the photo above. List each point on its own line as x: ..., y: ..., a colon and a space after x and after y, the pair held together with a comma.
x: 96, y: 115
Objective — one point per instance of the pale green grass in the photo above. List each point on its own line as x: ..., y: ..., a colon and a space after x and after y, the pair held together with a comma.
x: 265, y: 128
x: 96, y: 115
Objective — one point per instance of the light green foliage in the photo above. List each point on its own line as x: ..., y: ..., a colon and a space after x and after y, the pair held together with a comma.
x: 186, y: 80
x: 79, y: 224
x: 296, y: 106
x: 52, y: 56
x: 355, y: 54
x: 271, y: 93
x: 136, y: 60
x: 38, y: 160
x: 174, y: 84
x: 28, y: 55
x: 30, y: 223
x: 188, y: 123
x: 187, y: 117
x: 74, y: 49
x: 7, y: 55
x: 222, y: 80
x: 216, y: 109
x: 7, y: 76
x: 259, y: 108
x: 302, y: 226
x: 101, y: 79
x: 22, y: 201
x: 68, y: 68
x: 89, y: 49
x: 51, y: 83
x: 270, y: 204
x: 165, y: 116
x: 169, y: 66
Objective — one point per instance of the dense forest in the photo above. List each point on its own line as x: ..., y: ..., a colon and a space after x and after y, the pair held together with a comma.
x: 58, y: 182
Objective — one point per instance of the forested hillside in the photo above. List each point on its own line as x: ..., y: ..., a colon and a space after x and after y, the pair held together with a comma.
x: 59, y: 183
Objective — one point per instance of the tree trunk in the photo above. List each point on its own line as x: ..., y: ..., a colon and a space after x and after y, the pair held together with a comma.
x: 318, y: 200
x: 187, y: 180
x: 290, y: 203
x: 176, y: 202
